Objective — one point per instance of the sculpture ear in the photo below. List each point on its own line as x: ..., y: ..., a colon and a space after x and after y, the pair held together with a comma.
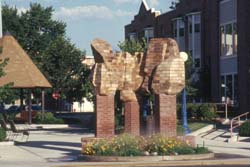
x: 102, y: 52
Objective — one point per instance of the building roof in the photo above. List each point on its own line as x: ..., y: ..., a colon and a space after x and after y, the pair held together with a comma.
x: 145, y: 4
x: 20, y: 70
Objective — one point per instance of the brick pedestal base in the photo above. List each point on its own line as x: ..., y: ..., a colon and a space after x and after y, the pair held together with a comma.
x: 165, y: 115
x: 132, y: 118
x: 105, y: 116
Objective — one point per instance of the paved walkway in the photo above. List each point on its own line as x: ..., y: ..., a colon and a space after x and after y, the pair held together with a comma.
x: 62, y: 147
x: 44, y: 148
x: 218, y: 142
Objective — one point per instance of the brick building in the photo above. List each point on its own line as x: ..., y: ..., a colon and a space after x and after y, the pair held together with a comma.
x: 215, y: 34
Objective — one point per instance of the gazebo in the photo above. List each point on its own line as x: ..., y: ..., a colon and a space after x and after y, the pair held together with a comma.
x: 20, y: 70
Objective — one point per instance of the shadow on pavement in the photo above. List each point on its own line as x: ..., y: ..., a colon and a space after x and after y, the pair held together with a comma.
x: 71, y: 149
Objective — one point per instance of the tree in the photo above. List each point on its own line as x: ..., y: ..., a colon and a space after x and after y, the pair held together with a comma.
x: 44, y: 40
x: 132, y: 46
x: 34, y: 29
x: 7, y: 95
x: 190, y: 83
x: 65, y: 70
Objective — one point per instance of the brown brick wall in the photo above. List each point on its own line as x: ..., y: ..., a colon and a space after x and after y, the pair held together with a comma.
x: 132, y: 118
x: 165, y: 116
x: 105, y: 118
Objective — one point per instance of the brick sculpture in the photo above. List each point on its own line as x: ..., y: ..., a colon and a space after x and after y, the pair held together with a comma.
x: 159, y: 71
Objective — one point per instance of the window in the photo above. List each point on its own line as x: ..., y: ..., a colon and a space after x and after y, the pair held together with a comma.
x: 178, y: 28
x: 181, y: 32
x: 190, y: 24
x: 181, y: 28
x: 197, y: 21
x: 222, y: 40
x: 223, y: 85
x: 197, y: 28
x: 175, y: 29
x: 235, y: 88
x: 235, y: 39
x: 229, y: 39
x: 132, y: 36
x: 148, y: 33
x: 197, y: 62
x: 229, y: 87
x: 194, y: 38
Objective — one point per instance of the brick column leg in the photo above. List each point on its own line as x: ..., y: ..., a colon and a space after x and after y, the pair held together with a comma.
x: 165, y: 115
x: 105, y: 116
x: 132, y: 118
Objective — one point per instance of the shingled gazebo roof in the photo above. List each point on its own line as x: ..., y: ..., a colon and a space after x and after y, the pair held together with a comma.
x: 20, y: 70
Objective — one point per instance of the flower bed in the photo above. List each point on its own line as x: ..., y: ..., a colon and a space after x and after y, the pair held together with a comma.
x: 128, y: 145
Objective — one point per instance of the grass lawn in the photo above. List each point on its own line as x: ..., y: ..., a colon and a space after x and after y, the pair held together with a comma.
x: 193, y: 126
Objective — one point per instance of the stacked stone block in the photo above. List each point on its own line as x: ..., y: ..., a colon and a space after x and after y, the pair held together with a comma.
x: 159, y: 71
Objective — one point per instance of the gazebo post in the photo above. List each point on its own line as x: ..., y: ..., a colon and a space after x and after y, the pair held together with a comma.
x: 29, y: 108
x: 21, y: 98
x: 43, y: 95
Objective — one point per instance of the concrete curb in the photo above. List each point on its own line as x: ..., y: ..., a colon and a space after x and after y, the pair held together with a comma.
x: 239, y: 161
x: 202, y: 130
x: 91, y: 158
x: 7, y: 143
x: 51, y: 126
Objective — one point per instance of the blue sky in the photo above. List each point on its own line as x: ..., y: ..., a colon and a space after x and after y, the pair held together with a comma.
x: 89, y: 19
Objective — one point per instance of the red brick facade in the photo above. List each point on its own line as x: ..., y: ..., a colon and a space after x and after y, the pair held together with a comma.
x: 105, y: 116
x: 210, y: 42
x: 132, y: 118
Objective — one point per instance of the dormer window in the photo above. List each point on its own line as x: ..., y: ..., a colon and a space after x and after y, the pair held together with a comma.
x: 148, y: 33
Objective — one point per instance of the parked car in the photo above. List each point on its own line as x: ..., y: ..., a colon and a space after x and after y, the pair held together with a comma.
x: 13, y: 109
x: 21, y: 113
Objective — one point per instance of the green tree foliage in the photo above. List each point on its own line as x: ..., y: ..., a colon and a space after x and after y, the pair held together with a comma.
x: 34, y: 29
x: 132, y: 46
x: 7, y: 95
x: 67, y: 74
x: 190, y: 84
x: 43, y: 38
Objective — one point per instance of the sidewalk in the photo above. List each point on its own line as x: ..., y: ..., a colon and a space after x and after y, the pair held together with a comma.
x: 217, y: 141
x: 238, y: 161
x: 44, y: 148
x: 61, y: 147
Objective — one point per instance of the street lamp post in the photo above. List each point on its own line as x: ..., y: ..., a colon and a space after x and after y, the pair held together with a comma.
x: 184, y: 56
x: 184, y: 113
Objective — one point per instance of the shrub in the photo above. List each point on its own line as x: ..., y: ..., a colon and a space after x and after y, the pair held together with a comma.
x: 49, y: 118
x: 193, y: 110
x: 201, y: 150
x: 208, y: 112
x: 197, y: 111
x: 2, y: 134
x: 128, y: 145
x: 245, y: 129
